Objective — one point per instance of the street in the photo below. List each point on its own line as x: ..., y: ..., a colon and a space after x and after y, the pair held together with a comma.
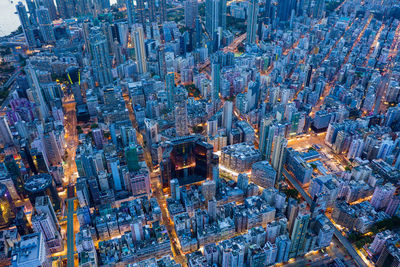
x: 343, y: 240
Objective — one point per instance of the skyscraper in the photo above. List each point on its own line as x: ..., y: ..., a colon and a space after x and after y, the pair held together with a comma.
x: 70, y: 8
x: 252, y: 14
x: 253, y: 94
x: 45, y: 25
x: 98, y: 138
x: 26, y: 25
x: 212, y: 209
x: 283, y: 245
x: 318, y: 9
x: 140, y: 52
x: 132, y: 159
x: 62, y: 9
x: 215, y: 15
x: 84, y: 7
x: 227, y: 116
x: 49, y: 4
x: 175, y: 190
x: 42, y: 223
x: 382, y: 195
x: 262, y: 174
x: 114, y: 166
x: 31, y: 4
x: 278, y: 155
x: 140, y: 12
x: 37, y: 94
x: 266, y: 137
x: 267, y: 8
x: 53, y: 154
x: 170, y: 87
x: 208, y: 189
x: 151, y: 127
x: 163, y: 13
x: 104, y: 4
x: 82, y: 192
x: 285, y: 8
x: 101, y: 62
x: 298, y: 234
x: 191, y: 12
x: 215, y: 81
x: 5, y: 132
x: 33, y: 245
x: 43, y: 205
x: 152, y: 10
x: 181, y: 119
x: 198, y: 32
x: 66, y: 8
x: 130, y: 9
x: 162, y: 67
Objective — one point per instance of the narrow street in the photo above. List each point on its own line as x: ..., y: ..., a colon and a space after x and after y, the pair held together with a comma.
x: 343, y: 240
x: 158, y: 194
x: 156, y: 188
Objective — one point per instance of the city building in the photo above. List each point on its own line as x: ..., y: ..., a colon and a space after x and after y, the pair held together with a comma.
x: 30, y: 251
x: 263, y: 174
x: 239, y: 157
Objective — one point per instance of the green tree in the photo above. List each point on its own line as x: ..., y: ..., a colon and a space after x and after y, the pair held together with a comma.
x: 291, y: 192
x: 79, y: 129
x: 106, y: 135
x: 197, y: 129
x: 314, y: 166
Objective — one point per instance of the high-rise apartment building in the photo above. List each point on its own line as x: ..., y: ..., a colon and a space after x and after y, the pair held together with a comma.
x: 140, y: 52
x: 252, y: 14
x: 27, y: 27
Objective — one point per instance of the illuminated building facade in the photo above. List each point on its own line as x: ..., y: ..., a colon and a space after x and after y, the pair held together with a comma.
x: 188, y: 159
x: 42, y: 185
x: 7, y: 208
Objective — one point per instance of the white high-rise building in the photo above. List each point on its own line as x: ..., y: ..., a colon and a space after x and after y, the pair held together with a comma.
x: 278, y: 155
x: 252, y: 13
x: 273, y: 229
x: 356, y: 148
x: 382, y: 194
x: 45, y: 25
x: 283, y: 246
x: 51, y: 148
x: 227, y: 116
x: 44, y: 224
x: 140, y: 52
x: 37, y: 94
x: 385, y: 149
x: 31, y: 251
x: 212, y: 127
x: 44, y: 205
x: 271, y: 251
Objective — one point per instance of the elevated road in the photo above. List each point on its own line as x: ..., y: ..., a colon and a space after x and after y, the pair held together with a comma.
x: 12, y: 78
x: 343, y: 240
x: 230, y: 48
